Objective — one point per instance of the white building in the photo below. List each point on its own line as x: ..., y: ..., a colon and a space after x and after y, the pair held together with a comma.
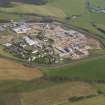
x: 21, y: 29
x: 29, y: 41
x: 7, y: 44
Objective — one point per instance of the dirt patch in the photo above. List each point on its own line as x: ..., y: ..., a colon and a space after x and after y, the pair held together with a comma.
x: 94, y: 43
x: 13, y: 70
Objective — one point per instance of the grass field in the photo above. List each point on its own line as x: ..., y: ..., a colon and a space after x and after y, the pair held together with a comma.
x: 57, y: 94
x: 90, y: 69
x: 48, y: 95
x: 44, y: 10
x: 98, y: 3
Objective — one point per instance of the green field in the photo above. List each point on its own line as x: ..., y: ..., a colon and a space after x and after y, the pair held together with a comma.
x: 40, y: 92
x: 44, y: 92
x: 98, y: 3
x: 90, y: 69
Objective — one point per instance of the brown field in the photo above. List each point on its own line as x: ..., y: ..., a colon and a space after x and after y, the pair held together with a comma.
x: 99, y: 100
x: 12, y: 70
x: 56, y: 94
x: 94, y: 43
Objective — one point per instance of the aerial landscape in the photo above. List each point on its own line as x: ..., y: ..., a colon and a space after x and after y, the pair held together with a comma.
x: 52, y: 52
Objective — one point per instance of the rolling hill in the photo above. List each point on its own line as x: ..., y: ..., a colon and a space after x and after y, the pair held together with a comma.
x: 21, y: 85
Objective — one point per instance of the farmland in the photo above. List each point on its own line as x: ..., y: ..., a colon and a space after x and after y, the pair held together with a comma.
x: 16, y: 71
x: 85, y: 70
x: 57, y: 94
x: 43, y: 95
x: 92, y: 101
x: 55, y: 84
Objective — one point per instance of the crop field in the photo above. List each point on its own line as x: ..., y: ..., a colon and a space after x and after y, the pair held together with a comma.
x: 55, y: 94
x: 99, y: 100
x: 49, y: 93
x: 11, y: 70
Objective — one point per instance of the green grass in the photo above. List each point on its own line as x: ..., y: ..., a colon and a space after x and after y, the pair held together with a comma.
x: 11, y: 91
x: 25, y: 86
x: 4, y: 53
x: 44, y: 10
x: 100, y: 87
x: 98, y: 3
x: 57, y: 94
x: 70, y: 7
x: 9, y: 99
x: 91, y: 69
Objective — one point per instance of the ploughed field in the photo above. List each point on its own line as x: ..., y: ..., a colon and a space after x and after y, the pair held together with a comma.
x: 10, y: 70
